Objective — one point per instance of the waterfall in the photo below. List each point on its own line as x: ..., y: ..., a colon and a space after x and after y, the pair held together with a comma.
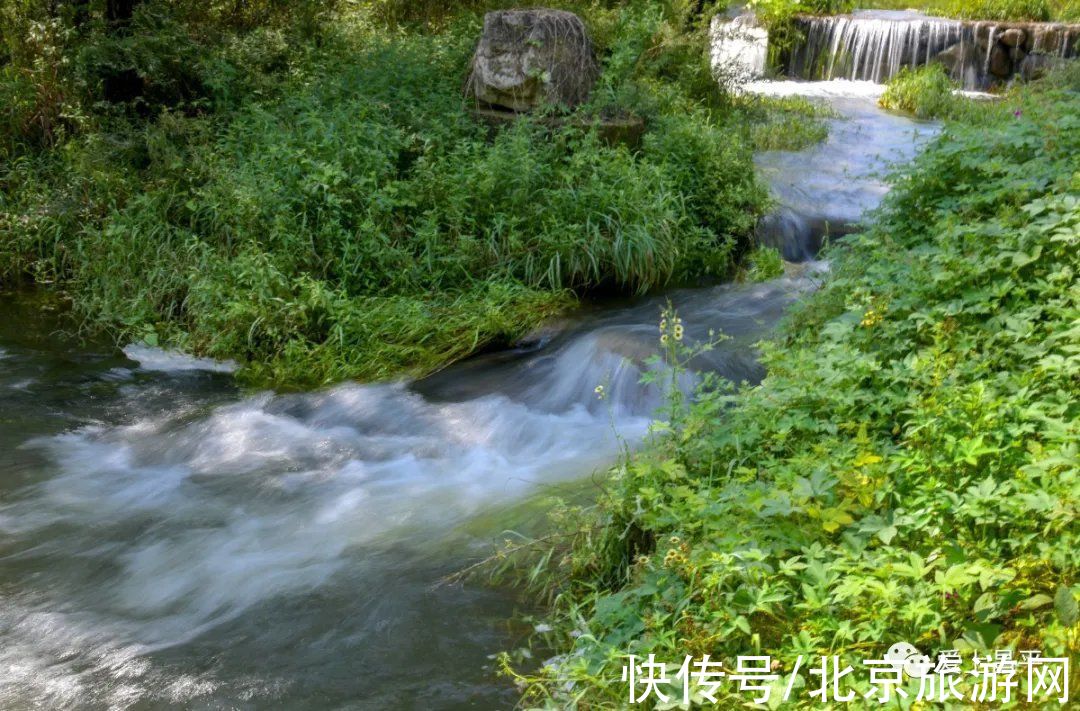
x: 871, y: 45
x: 739, y: 47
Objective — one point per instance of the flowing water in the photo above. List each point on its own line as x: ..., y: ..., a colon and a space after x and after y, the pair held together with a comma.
x: 823, y: 192
x: 872, y: 44
x: 167, y: 541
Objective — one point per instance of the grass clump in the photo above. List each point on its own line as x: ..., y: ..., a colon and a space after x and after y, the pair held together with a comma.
x: 306, y: 192
x: 787, y: 123
x: 908, y: 469
x: 762, y: 264
x: 928, y: 92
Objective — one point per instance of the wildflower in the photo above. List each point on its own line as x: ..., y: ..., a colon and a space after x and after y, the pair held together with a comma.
x: 673, y: 557
x: 599, y: 390
x: 678, y: 332
x: 1018, y: 113
x: 663, y: 339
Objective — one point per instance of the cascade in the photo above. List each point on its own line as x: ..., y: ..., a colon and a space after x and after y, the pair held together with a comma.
x: 871, y: 45
x: 739, y: 47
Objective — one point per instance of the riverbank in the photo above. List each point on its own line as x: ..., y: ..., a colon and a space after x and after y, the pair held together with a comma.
x: 304, y: 191
x: 907, y: 471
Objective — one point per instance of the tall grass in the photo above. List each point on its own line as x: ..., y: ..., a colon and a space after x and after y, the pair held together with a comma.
x: 324, y: 206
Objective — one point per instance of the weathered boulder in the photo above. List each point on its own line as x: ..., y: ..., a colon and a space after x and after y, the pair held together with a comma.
x: 527, y: 58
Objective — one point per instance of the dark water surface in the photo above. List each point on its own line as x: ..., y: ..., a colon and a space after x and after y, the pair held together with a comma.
x: 167, y: 541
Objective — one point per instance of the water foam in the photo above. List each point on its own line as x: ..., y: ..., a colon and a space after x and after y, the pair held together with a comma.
x: 158, y: 359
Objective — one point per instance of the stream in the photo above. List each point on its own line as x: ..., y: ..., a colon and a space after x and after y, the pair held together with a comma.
x: 168, y: 541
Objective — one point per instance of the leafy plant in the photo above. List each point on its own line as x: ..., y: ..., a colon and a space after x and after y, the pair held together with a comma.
x: 908, y: 469
x: 315, y: 200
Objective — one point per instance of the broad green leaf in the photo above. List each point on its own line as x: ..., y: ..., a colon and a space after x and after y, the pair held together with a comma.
x: 1065, y: 607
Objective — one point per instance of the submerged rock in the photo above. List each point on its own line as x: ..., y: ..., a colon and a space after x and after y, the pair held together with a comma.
x: 527, y: 58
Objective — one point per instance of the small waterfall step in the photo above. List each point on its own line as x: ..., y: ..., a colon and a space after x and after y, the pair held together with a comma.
x: 875, y: 44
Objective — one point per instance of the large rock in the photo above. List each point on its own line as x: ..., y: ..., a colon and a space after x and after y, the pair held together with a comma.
x: 1013, y: 37
x: 1000, y: 65
x: 527, y: 58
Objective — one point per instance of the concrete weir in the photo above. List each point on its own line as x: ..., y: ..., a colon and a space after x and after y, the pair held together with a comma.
x: 874, y: 45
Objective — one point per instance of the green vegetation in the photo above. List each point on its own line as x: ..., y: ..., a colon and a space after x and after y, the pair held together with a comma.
x: 1035, y: 10
x: 301, y: 187
x: 927, y: 92
x: 785, y: 123
x: 908, y: 470
x: 762, y: 264
x: 777, y: 11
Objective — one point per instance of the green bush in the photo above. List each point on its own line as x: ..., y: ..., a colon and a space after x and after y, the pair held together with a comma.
x: 764, y: 263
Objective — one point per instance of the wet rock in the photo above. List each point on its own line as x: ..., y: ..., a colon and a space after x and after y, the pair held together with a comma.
x: 985, y: 33
x: 1000, y: 65
x: 1048, y: 39
x: 528, y: 58
x: 1013, y: 37
x: 958, y: 58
